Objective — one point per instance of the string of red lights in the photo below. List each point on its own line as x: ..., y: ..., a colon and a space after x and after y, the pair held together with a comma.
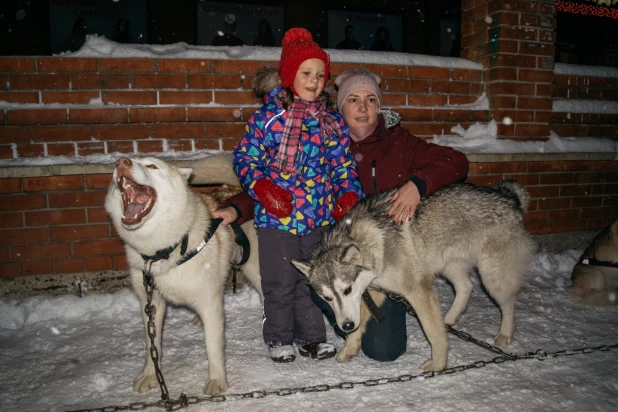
x: 589, y: 10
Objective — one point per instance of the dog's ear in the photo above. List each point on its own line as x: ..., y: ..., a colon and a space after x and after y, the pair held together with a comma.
x: 351, y: 256
x: 304, y: 267
x: 185, y: 172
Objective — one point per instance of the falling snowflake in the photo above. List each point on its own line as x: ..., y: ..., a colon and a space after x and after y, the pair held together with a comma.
x: 507, y: 120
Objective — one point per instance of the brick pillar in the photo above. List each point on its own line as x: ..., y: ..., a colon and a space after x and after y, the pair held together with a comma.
x: 514, y: 40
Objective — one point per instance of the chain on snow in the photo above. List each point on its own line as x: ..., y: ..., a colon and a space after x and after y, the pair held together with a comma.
x: 184, y: 401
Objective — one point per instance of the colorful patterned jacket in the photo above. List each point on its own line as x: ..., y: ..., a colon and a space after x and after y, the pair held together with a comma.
x: 326, y: 169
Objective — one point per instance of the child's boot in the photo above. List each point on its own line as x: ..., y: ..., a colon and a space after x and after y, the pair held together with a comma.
x: 318, y: 351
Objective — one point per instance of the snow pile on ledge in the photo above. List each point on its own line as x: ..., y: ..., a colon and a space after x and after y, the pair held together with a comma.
x: 99, y: 46
x: 585, y: 106
x: 483, y: 138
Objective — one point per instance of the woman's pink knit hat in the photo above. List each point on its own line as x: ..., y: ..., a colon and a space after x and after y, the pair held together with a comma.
x: 354, y: 80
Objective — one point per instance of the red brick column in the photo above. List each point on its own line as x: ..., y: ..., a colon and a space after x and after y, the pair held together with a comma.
x: 514, y: 40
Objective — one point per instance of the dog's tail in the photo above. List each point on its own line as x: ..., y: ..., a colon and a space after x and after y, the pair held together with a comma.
x: 512, y: 189
x: 607, y: 297
x: 214, y: 169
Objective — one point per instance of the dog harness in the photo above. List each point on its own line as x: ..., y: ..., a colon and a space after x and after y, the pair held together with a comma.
x: 164, y: 254
x: 593, y: 261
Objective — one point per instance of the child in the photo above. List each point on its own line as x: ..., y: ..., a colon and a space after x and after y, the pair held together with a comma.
x: 294, y: 162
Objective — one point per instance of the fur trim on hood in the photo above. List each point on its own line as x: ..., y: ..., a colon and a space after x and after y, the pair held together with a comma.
x: 267, y: 78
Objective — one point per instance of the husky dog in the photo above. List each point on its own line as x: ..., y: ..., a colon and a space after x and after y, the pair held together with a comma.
x: 595, y: 276
x: 457, y: 229
x: 166, y: 229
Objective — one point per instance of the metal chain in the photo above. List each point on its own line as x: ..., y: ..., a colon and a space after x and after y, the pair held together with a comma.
x: 150, y: 310
x: 460, y: 334
x: 184, y: 401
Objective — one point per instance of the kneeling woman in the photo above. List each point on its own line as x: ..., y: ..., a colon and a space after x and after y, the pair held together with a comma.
x: 387, y: 156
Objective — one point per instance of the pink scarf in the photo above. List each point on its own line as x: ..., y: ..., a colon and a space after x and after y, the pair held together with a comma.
x: 288, y: 148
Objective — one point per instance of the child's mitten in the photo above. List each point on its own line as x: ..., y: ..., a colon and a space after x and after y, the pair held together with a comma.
x: 275, y: 199
x: 344, y: 204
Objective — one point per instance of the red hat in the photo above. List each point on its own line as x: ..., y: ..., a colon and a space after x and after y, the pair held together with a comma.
x: 298, y: 46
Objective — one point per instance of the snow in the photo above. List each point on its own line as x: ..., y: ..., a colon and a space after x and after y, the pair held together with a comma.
x: 585, y: 106
x: 483, y: 138
x: 99, y: 46
x: 66, y: 353
x: 591, y: 71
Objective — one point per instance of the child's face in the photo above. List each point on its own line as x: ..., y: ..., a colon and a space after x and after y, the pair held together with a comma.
x: 309, y: 80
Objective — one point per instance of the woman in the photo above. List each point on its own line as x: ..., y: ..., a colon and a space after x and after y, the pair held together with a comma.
x: 387, y: 156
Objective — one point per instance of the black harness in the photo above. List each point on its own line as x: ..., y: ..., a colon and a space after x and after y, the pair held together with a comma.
x: 593, y: 261
x: 164, y: 254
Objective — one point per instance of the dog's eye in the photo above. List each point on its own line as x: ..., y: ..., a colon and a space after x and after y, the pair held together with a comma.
x: 326, y: 298
x: 348, y: 290
x: 151, y: 166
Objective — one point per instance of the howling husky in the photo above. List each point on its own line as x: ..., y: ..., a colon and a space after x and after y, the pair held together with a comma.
x: 168, y: 231
x: 457, y: 229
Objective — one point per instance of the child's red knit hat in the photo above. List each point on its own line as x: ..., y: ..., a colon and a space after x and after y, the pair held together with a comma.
x: 298, y: 46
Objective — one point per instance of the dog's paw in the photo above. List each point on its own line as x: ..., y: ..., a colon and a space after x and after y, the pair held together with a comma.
x: 450, y: 320
x: 502, y: 340
x: 197, y: 321
x: 346, y: 353
x: 145, y: 381
x: 215, y: 387
x: 433, y: 366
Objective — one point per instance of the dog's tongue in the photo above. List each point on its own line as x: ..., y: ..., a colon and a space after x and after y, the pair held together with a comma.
x: 132, y: 210
x: 137, y: 200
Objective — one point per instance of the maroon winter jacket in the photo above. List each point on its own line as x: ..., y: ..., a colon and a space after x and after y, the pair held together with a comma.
x: 393, y: 156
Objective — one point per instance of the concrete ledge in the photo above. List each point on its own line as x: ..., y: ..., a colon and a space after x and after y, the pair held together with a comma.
x: 80, y: 284
x: 537, y: 157
x: 92, y: 168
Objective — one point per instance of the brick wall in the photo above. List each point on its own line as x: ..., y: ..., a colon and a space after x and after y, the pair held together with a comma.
x: 144, y: 105
x: 514, y: 41
x: 55, y: 222
x: 603, y: 90
x: 52, y: 219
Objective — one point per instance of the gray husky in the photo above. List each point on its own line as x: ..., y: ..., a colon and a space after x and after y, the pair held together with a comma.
x: 457, y: 229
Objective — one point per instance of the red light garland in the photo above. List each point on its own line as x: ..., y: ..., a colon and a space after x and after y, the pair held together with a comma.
x: 578, y: 8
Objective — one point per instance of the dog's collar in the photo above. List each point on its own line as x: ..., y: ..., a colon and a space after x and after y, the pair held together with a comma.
x: 164, y: 254
x: 593, y: 261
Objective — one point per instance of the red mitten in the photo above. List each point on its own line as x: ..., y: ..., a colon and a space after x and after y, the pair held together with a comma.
x: 275, y: 199
x: 344, y: 204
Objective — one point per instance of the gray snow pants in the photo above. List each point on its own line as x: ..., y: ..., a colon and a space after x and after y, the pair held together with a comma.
x: 290, y: 316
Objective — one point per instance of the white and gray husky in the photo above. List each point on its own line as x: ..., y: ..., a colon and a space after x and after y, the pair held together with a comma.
x: 157, y: 215
x: 457, y: 229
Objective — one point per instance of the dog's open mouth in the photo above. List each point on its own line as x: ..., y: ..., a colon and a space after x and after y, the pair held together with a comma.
x: 137, y: 200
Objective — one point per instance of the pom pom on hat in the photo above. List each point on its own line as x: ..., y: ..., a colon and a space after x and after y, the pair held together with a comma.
x: 298, y: 46
x: 352, y: 80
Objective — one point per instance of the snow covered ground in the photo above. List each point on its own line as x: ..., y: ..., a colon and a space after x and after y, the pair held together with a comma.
x: 67, y: 353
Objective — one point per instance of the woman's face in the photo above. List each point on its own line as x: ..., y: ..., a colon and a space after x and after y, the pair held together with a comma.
x: 361, y: 108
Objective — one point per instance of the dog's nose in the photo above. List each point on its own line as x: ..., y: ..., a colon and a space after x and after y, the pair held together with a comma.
x: 123, y: 163
x: 348, y: 326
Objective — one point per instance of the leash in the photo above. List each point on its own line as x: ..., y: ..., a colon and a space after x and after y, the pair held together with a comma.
x: 373, y: 308
x: 242, y: 240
